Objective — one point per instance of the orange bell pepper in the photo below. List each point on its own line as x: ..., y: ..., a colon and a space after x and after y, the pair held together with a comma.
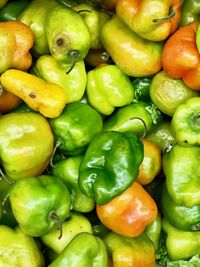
x: 129, y: 213
x: 16, y: 39
x: 8, y: 101
x: 180, y: 57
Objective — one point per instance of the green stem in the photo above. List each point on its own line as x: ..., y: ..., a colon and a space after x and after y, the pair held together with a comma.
x: 5, y: 178
x: 172, y: 13
x: 144, y: 124
x: 55, y: 217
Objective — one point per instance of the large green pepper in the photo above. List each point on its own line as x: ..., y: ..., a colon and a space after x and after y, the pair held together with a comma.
x: 182, y: 170
x: 68, y: 170
x: 18, y: 249
x: 76, y: 127
x: 110, y: 165
x: 73, y: 83
x: 190, y: 12
x: 185, y: 123
x: 84, y: 250
x: 180, y: 244
x: 108, y: 87
x: 38, y: 203
x: 21, y: 151
x: 181, y: 217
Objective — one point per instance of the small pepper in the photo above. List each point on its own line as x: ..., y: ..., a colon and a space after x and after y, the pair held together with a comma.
x: 8, y: 101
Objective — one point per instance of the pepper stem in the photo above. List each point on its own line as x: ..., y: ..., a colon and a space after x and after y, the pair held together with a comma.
x: 84, y: 10
x: 5, y: 178
x: 172, y: 13
x: 53, y: 153
x: 55, y: 217
x: 73, y: 54
x: 144, y: 124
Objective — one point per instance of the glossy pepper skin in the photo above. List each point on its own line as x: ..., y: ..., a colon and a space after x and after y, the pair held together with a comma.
x: 68, y: 170
x: 152, y: 20
x: 110, y: 164
x: 38, y: 199
x: 180, y: 244
x: 181, y: 46
x: 185, y: 124
x: 73, y: 83
x: 16, y: 41
x: 141, y: 87
x: 22, y: 247
x: 182, y: 170
x: 181, y: 217
x: 77, y: 253
x: 190, y: 12
x: 47, y: 98
x: 108, y: 87
x: 24, y: 154
x: 76, y: 127
x: 134, y: 55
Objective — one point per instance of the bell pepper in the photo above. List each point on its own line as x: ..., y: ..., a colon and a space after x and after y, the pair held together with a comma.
x: 19, y: 249
x: 181, y: 217
x: 110, y: 164
x: 168, y: 93
x: 47, y: 98
x: 76, y: 224
x: 16, y: 41
x: 129, y: 213
x: 34, y: 16
x: 43, y: 199
x: 108, y: 87
x: 73, y: 83
x: 12, y: 9
x: 180, y: 244
x: 198, y: 38
x: 95, y: 58
x: 84, y: 250
x: 68, y: 36
x: 185, y: 124
x: 134, y: 55
x: 21, y: 151
x: 152, y: 20
x: 135, y: 252
x: 76, y: 127
x: 68, y: 170
x: 182, y: 170
x: 190, y: 12
x: 141, y: 87
x: 137, y: 117
x: 8, y: 101
x: 181, y: 46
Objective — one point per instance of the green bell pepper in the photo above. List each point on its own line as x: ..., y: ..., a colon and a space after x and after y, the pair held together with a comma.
x: 73, y: 83
x: 75, y: 127
x: 181, y: 217
x: 180, y: 244
x: 38, y: 203
x: 110, y: 164
x: 185, y: 123
x: 84, y: 250
x: 137, y: 117
x: 77, y: 223
x: 190, y: 12
x: 108, y: 87
x: 68, y: 170
x: 182, y: 170
x: 18, y: 249
x: 141, y: 87
x: 21, y: 151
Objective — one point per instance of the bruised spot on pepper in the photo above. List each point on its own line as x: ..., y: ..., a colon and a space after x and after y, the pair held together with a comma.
x: 60, y: 42
x: 32, y: 95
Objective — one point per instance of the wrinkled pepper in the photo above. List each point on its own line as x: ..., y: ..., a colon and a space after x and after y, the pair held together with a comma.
x: 182, y: 170
x: 18, y: 249
x: 110, y: 164
x: 73, y: 83
x: 190, y: 12
x: 135, y: 252
x: 76, y: 127
x: 129, y: 213
x: 22, y: 152
x: 185, y: 124
x: 108, y: 87
x: 43, y: 199
x: 16, y: 41
x: 68, y: 170
x: 134, y: 55
x: 47, y: 98
x: 152, y: 20
x: 84, y: 250
x: 181, y: 46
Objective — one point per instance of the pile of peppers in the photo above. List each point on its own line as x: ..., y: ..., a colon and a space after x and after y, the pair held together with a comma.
x: 99, y: 133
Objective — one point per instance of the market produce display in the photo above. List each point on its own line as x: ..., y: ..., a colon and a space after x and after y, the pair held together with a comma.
x: 99, y: 133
